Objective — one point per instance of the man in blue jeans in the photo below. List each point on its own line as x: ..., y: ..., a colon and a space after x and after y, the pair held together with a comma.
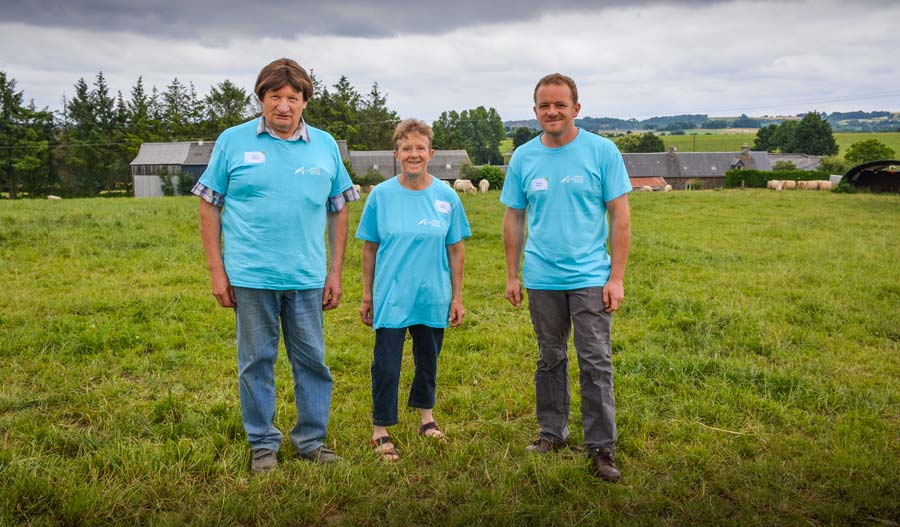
x: 272, y: 186
x: 565, y: 181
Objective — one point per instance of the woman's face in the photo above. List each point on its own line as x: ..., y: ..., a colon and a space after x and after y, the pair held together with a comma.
x: 414, y: 152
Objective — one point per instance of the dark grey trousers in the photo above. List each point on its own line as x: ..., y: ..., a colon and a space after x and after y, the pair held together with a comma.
x: 553, y: 314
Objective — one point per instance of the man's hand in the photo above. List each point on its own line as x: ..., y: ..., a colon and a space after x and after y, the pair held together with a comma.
x: 514, y: 291
x: 365, y: 311
x: 221, y: 288
x: 613, y: 294
x: 457, y: 312
x: 331, y: 294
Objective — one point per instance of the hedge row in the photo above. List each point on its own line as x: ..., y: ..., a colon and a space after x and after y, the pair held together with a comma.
x: 758, y: 178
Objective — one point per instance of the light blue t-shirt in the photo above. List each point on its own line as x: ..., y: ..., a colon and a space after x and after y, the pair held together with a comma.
x: 412, y: 270
x: 565, y: 191
x: 276, y: 191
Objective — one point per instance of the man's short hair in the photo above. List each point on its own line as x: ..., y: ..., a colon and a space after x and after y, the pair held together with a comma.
x: 558, y: 78
x: 280, y: 73
x: 412, y: 126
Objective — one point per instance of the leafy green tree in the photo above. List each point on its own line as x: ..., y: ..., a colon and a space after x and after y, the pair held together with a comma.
x: 763, y: 141
x: 493, y: 174
x: 783, y: 139
x: 745, y: 122
x: 447, y: 132
x: 833, y: 165
x: 813, y: 136
x: 479, y: 131
x: 522, y: 135
x: 869, y: 150
x: 646, y: 142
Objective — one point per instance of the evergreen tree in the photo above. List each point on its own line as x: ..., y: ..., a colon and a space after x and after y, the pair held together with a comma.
x: 376, y: 122
x: 11, y: 114
x: 226, y: 105
x: 175, y: 102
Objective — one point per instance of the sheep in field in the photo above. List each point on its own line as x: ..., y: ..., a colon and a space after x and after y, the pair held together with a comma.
x: 464, y: 185
x: 484, y: 185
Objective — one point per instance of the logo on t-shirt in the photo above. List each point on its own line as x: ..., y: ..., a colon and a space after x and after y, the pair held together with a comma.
x: 313, y: 171
x: 429, y: 223
x: 572, y: 179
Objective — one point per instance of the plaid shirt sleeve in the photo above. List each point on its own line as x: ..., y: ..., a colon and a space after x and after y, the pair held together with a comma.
x: 209, y: 195
x: 336, y: 203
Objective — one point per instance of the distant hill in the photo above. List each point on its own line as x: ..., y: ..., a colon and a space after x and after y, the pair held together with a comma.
x: 859, y: 121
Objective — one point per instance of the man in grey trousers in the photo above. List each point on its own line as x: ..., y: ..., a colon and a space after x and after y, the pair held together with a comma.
x: 564, y: 182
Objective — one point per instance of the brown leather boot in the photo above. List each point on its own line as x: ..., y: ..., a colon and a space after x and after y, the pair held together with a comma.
x: 603, y: 464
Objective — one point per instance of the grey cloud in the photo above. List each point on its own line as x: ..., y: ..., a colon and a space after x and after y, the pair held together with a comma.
x: 216, y: 21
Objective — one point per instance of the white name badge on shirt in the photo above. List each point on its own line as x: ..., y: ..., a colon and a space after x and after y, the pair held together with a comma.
x: 442, y: 206
x: 539, y: 184
x: 254, y: 157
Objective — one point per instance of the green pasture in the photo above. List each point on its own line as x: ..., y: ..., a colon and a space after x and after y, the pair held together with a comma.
x: 733, y: 142
x: 756, y: 360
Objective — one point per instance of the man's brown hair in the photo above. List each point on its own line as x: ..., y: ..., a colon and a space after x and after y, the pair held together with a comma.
x: 412, y: 126
x: 280, y: 73
x: 558, y: 78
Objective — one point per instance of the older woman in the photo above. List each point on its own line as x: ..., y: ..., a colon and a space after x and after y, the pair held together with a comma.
x: 413, y: 226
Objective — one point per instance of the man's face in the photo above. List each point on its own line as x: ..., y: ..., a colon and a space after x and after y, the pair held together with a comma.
x: 414, y: 152
x: 282, y: 109
x: 554, y: 109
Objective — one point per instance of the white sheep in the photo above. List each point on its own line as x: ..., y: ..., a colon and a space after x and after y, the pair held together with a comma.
x: 484, y: 185
x: 464, y: 185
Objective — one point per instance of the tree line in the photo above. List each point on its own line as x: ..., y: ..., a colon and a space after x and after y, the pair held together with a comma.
x: 86, y: 147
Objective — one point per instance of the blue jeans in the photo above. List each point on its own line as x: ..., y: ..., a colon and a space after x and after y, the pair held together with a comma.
x: 258, y: 312
x: 426, y: 347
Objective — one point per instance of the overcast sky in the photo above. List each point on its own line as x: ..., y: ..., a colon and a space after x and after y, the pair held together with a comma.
x: 629, y: 58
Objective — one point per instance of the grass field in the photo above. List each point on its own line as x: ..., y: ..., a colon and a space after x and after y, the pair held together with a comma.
x: 756, y: 364
x: 733, y: 142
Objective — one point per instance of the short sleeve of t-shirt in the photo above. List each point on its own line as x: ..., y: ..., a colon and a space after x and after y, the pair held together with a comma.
x: 513, y: 195
x: 368, y: 223
x: 342, y: 179
x: 459, y: 224
x: 216, y: 174
x: 615, y: 180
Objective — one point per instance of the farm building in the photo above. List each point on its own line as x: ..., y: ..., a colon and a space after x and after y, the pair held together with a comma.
x: 693, y: 169
x: 444, y: 165
x: 188, y: 158
x: 876, y: 176
x: 655, y: 183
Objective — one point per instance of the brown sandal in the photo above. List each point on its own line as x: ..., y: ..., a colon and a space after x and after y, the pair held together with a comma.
x: 437, y: 434
x: 384, y: 448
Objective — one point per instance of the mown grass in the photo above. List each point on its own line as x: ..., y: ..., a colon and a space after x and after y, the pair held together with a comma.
x: 756, y: 366
x: 732, y: 142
